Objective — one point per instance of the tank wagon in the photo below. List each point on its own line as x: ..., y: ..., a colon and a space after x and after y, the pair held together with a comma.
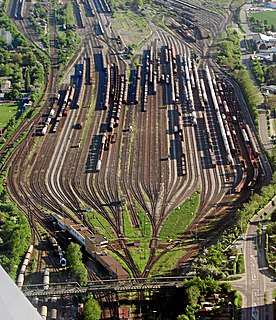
x: 44, y: 311
x: 50, y: 116
x: 203, y: 90
x: 20, y: 278
x: 53, y: 314
x: 46, y: 279
x: 107, y: 91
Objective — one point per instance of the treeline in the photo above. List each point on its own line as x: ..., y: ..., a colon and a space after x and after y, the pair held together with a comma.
x: 39, y: 18
x: 221, y: 259
x: 65, y: 15
x: 229, y: 57
x: 229, y: 53
x: 271, y: 241
x: 249, y: 91
x: 21, y: 62
x: 264, y: 73
x: 67, y: 39
x: 125, y: 5
x: 74, y: 259
x: 256, y: 203
x: 198, y: 290
x: 14, y: 233
x: 92, y: 309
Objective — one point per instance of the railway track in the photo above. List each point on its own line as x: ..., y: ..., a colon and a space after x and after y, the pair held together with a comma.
x: 60, y: 177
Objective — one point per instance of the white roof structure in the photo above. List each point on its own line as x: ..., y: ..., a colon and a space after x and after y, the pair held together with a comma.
x: 13, y: 304
x: 262, y: 37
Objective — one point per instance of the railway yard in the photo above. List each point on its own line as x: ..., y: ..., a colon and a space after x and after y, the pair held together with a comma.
x: 120, y: 145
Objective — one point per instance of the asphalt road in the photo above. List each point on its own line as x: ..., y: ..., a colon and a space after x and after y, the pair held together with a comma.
x: 257, y: 285
x: 246, y: 62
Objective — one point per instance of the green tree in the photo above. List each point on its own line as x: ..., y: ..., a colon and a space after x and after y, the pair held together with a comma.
x: 212, y: 285
x: 183, y: 317
x: 273, y: 216
x: 271, y: 228
x: 27, y: 81
x: 74, y: 258
x: 190, y: 312
x: 29, y: 59
x: 16, y: 57
x: 193, y: 293
x: 226, y: 287
x: 92, y: 309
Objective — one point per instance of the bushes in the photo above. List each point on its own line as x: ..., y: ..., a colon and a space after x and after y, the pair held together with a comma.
x: 74, y: 258
x: 240, y: 264
x: 250, y: 92
x: 229, y: 54
x: 92, y: 309
x: 237, y: 304
x: 197, y: 290
x: 67, y: 39
x: 257, y: 71
x: 22, y: 61
x: 14, y: 234
x: 256, y: 203
x: 271, y: 244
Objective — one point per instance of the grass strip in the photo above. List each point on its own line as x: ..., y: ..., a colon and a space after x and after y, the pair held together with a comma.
x: 180, y: 218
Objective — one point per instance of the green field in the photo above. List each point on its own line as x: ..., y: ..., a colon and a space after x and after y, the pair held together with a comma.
x: 180, y: 218
x: 132, y: 28
x: 7, y: 111
x: 269, y: 16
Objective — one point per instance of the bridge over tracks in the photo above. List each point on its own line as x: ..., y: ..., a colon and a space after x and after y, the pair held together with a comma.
x: 104, y: 286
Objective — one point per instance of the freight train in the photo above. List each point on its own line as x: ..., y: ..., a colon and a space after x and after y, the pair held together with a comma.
x: 219, y: 117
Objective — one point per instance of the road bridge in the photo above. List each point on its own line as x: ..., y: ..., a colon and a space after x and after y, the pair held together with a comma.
x: 107, y: 286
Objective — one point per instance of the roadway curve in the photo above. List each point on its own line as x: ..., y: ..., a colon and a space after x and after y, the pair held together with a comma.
x: 257, y: 285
